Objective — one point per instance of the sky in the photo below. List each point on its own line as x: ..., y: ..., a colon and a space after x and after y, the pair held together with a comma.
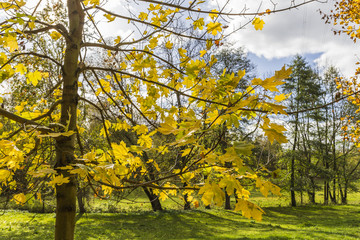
x: 297, y: 31
x: 285, y: 34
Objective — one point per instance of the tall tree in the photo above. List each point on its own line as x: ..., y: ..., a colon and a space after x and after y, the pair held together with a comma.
x: 303, y: 85
x: 143, y: 79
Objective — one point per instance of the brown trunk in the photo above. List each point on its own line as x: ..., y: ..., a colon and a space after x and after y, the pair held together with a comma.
x: 80, y: 199
x: 66, y: 193
x: 227, y: 201
x: 326, y: 194
x: 154, y: 199
x: 187, y: 204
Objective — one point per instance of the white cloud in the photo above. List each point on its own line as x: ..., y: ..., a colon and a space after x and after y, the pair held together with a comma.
x: 298, y: 31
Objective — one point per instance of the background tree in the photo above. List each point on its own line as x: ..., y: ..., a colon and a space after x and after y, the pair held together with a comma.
x: 139, y: 83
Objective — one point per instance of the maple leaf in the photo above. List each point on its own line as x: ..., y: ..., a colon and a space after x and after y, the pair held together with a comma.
x: 213, y: 15
x: 59, y: 180
x: 117, y: 40
x: 274, y: 131
x: 258, y: 23
x: 20, y: 68
x: 4, y: 174
x: 153, y: 42
x: 281, y: 97
x: 55, y: 35
x: 109, y: 17
x: 214, y: 28
x: 34, y: 77
x: 169, y: 45
x: 202, y: 53
x: 199, y: 23
x: 120, y: 150
x: 143, y: 16
x: 11, y: 43
x: 19, y: 198
x: 249, y: 210
x: 283, y: 73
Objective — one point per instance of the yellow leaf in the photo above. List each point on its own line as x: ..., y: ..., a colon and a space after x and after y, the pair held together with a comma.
x: 169, y: 45
x: 20, y: 68
x: 11, y: 43
x: 258, y: 23
x: 182, y: 52
x: 249, y: 210
x: 31, y: 25
x: 269, y: 83
x: 212, y: 192
x: 19, y: 198
x: 214, y: 28
x: 117, y: 40
x: 55, y: 35
x: 59, y: 180
x: 163, y: 196
x: 120, y: 150
x: 4, y: 174
x: 213, y: 15
x: 280, y: 98
x: 202, y: 53
x: 38, y: 197
x: 283, y: 73
x: 95, y: 2
x: 186, y: 152
x: 109, y: 17
x: 143, y: 16
x: 153, y: 42
x: 33, y: 77
x: 156, y: 7
x: 274, y: 131
x: 199, y: 23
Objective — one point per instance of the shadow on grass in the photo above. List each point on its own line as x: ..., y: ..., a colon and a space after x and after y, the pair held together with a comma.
x: 316, y: 222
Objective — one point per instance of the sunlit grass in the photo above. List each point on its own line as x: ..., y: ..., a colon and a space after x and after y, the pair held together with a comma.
x: 307, y: 222
x: 137, y: 221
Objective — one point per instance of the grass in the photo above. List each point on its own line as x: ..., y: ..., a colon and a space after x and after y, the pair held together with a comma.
x: 305, y: 222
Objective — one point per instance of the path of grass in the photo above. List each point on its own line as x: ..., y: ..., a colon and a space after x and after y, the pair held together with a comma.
x: 311, y: 222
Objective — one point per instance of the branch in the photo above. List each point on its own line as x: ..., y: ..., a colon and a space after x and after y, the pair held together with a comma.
x: 48, y: 113
x: 115, y: 48
x: 58, y: 27
x: 226, y: 14
x: 325, y: 105
x: 30, y: 53
x: 24, y: 121
x: 152, y: 25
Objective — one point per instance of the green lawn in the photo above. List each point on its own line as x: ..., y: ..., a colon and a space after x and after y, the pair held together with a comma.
x: 310, y: 222
x: 131, y: 220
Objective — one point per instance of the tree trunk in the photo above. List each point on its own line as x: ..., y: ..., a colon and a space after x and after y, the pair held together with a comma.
x: 326, y: 194
x: 227, y: 201
x: 80, y: 199
x: 66, y: 192
x: 187, y: 204
x: 292, y: 177
x: 343, y: 193
x: 154, y: 199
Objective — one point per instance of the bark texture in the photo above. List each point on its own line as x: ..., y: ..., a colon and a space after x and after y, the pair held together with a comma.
x: 66, y: 193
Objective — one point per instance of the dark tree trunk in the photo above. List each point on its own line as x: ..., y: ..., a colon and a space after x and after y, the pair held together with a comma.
x: 326, y: 193
x: 187, y: 204
x: 80, y: 198
x: 154, y: 199
x: 343, y: 193
x: 66, y: 192
x: 227, y: 201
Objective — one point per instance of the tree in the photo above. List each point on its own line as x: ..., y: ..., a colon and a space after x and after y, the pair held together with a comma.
x: 345, y: 16
x: 138, y: 81
x: 303, y: 85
